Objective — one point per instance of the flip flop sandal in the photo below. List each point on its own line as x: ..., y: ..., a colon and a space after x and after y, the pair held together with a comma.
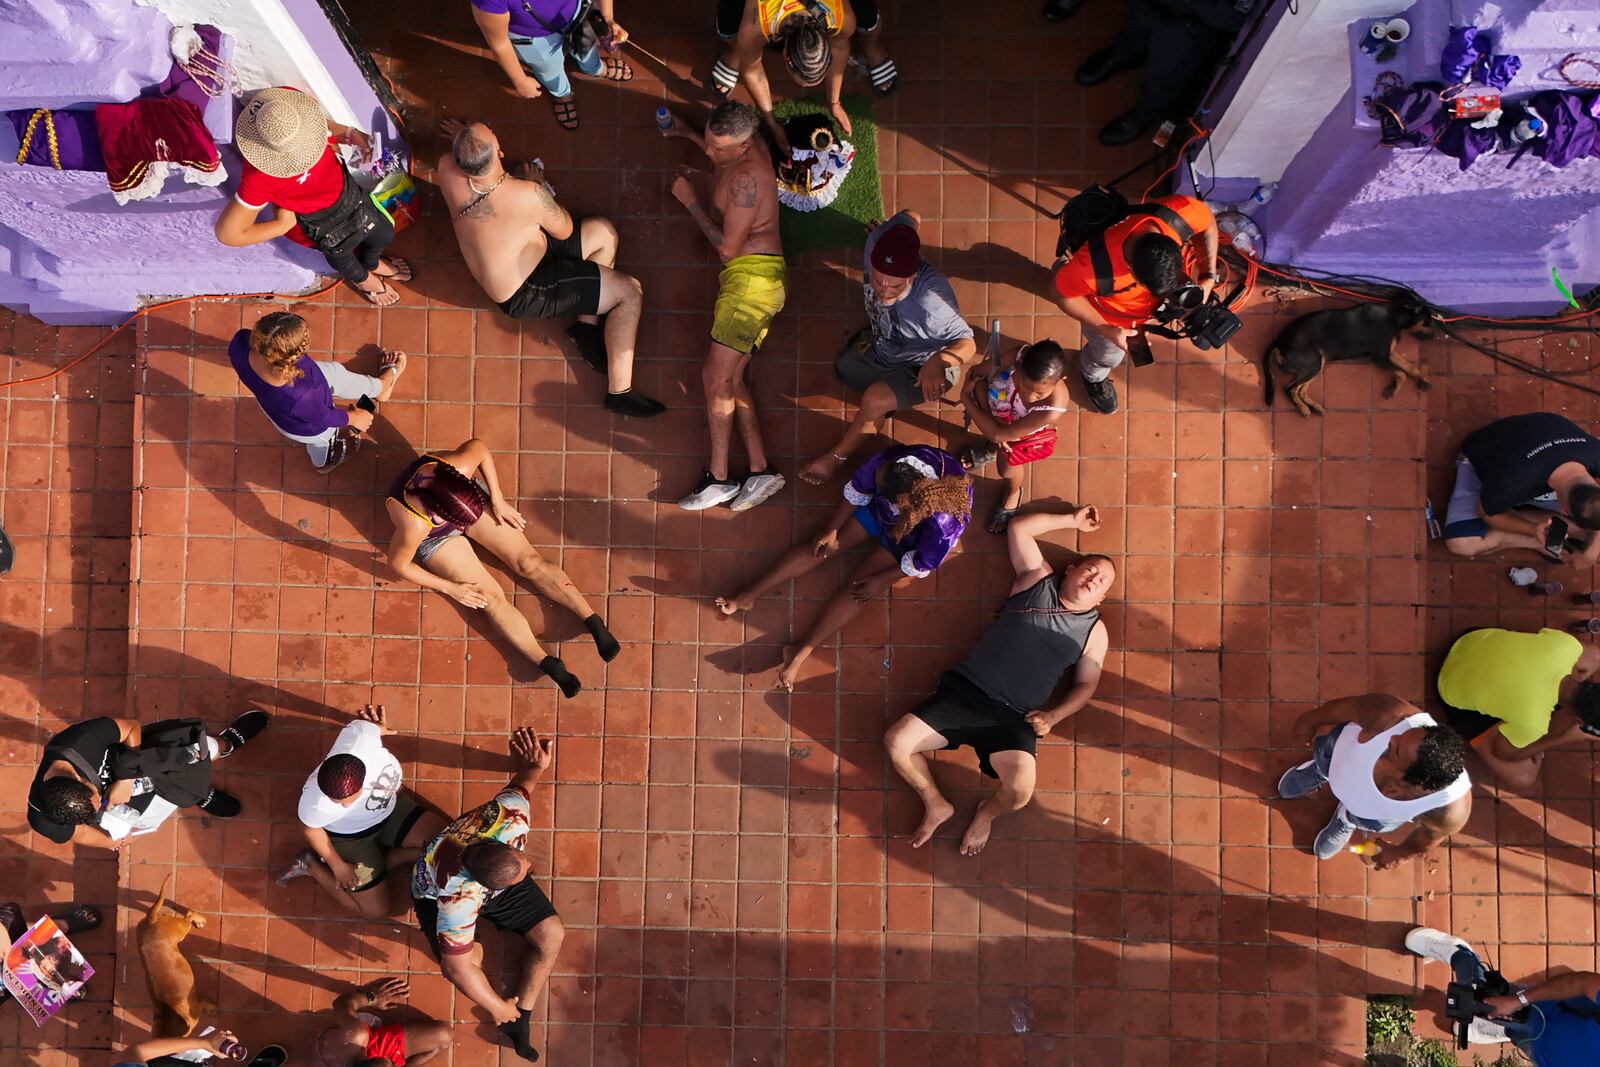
x: 566, y: 112
x: 376, y: 296
x: 617, y: 70
x: 1001, y: 517
x: 885, y: 77
x: 76, y: 919
x: 391, y: 362
x: 723, y: 78
x: 402, y: 270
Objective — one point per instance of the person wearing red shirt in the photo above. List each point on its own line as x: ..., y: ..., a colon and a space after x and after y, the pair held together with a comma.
x: 1149, y: 259
x: 290, y: 162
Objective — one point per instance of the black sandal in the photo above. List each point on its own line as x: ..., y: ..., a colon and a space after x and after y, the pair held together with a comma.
x: 884, y: 77
x: 76, y: 918
x: 1001, y: 516
x: 616, y: 70
x: 978, y: 454
x: 566, y: 112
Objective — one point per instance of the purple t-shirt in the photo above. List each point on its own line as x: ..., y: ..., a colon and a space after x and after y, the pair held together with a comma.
x: 557, y: 13
x: 922, y: 550
x: 303, y: 408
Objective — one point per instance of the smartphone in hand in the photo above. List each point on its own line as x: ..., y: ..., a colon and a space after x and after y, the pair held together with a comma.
x: 1556, y: 536
x: 368, y: 404
x: 1139, y: 350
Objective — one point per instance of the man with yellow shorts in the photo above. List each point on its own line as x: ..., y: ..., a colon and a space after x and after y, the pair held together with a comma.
x: 1518, y: 695
x: 753, y: 288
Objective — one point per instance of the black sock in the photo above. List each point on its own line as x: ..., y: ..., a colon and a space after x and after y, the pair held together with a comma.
x: 591, y: 342
x: 603, y: 640
x: 559, y: 674
x: 634, y: 405
x: 517, y: 1034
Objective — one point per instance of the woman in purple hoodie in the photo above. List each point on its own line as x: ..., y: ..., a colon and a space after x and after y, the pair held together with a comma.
x: 315, y: 402
x: 914, y: 501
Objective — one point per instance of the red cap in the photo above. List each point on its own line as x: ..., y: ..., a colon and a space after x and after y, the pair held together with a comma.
x: 898, y: 252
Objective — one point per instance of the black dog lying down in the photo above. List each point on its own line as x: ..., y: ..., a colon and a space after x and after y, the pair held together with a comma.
x: 1367, y: 331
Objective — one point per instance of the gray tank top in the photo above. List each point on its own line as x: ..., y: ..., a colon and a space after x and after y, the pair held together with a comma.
x: 1020, y: 659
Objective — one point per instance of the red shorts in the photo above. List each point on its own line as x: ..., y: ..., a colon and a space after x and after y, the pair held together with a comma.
x: 388, y: 1041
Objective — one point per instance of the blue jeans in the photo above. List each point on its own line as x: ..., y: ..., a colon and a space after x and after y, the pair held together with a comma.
x: 1322, y: 757
x: 547, y: 60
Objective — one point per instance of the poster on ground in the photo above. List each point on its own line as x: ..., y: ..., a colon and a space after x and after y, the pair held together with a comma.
x: 43, y: 970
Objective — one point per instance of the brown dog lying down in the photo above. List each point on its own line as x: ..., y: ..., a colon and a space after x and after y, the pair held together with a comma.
x: 176, y: 1007
x: 1366, y: 331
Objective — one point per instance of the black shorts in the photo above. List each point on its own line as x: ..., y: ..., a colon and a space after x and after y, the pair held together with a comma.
x: 520, y: 908
x: 731, y: 12
x: 564, y: 283
x: 963, y: 714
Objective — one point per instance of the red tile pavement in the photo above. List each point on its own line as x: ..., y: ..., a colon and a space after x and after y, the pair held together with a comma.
x: 729, y: 862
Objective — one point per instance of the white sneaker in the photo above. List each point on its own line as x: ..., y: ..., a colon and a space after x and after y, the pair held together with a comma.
x: 757, y: 489
x: 1481, y: 1031
x: 1433, y: 944
x: 708, y: 493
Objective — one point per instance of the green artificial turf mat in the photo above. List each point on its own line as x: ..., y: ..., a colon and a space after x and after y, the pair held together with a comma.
x: 844, y: 222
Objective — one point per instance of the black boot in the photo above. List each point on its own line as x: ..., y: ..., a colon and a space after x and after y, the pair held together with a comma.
x: 1124, y: 129
x: 1102, y: 65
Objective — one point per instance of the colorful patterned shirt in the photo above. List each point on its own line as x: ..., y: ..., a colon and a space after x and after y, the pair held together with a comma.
x: 439, y: 875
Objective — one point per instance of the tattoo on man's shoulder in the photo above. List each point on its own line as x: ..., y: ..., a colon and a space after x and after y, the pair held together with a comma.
x: 743, y: 193
x: 542, y: 197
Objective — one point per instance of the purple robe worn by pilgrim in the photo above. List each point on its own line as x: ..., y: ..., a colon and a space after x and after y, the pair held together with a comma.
x: 930, y: 541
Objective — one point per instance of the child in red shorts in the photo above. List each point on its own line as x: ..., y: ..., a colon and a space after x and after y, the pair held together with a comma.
x: 1015, y: 404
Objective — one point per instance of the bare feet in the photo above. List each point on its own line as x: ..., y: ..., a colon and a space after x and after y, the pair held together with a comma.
x: 732, y: 605
x: 933, y: 817
x: 821, y: 469
x: 794, y: 657
x: 977, y: 835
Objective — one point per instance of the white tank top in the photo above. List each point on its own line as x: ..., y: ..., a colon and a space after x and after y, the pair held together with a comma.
x: 1350, y: 776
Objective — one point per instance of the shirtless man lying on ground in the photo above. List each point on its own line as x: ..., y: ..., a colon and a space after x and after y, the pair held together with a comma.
x: 537, y: 262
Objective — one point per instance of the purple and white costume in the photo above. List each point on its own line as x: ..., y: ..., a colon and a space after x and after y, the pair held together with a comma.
x: 922, y: 550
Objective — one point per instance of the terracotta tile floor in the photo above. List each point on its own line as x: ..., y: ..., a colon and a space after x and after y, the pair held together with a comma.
x: 729, y: 862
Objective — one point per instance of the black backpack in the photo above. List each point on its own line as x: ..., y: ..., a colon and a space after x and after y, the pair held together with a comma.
x: 1086, y: 217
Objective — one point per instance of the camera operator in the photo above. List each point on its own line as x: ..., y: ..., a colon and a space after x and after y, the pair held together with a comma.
x: 1556, y: 1021
x: 1153, y: 274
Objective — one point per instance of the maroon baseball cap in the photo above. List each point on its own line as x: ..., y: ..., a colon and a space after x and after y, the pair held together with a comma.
x: 898, y: 252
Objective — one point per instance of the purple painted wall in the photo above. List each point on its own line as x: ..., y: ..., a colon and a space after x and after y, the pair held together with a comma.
x: 68, y: 253
x: 1484, y: 239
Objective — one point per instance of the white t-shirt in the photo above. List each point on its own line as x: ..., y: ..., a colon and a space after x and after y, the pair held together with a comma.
x: 371, y: 806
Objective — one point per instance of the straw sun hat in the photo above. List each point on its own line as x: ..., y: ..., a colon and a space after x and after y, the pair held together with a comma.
x: 281, y: 132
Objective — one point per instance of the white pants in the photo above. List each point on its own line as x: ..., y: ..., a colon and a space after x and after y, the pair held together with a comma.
x: 346, y: 385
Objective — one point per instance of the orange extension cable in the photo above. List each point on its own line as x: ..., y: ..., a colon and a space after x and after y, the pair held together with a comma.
x: 137, y: 315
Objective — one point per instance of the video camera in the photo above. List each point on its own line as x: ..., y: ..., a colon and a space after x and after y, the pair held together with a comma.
x: 1206, y: 323
x: 1464, y: 1003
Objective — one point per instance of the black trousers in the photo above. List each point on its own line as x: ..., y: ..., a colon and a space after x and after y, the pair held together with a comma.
x: 356, y: 259
x: 1178, y: 52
